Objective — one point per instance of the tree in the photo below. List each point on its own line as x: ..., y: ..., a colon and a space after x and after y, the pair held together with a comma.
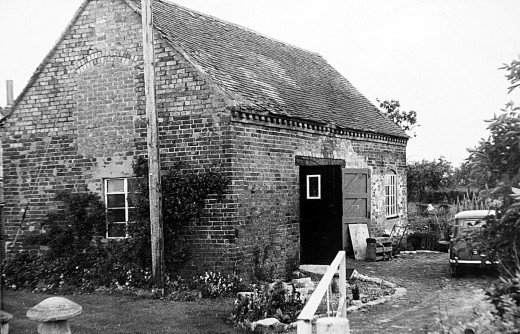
x: 496, y: 162
x: 497, y: 159
x: 428, y: 175
x: 407, y: 120
x: 514, y: 74
x: 462, y: 175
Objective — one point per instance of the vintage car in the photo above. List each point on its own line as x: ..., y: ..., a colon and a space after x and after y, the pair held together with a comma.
x: 462, y: 254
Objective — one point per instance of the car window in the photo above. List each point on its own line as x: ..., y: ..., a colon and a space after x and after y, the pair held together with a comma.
x: 468, y: 225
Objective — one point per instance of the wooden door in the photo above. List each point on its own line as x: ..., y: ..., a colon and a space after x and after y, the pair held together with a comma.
x: 356, y: 201
x: 320, y: 213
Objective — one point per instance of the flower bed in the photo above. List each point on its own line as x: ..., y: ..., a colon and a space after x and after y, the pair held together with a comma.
x: 275, y: 309
x: 361, y: 290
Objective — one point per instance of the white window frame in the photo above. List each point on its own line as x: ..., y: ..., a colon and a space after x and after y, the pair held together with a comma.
x: 391, y: 194
x: 318, y: 176
x: 127, y: 207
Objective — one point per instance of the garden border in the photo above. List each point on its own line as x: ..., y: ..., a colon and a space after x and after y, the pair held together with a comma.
x: 399, y: 292
x: 269, y: 325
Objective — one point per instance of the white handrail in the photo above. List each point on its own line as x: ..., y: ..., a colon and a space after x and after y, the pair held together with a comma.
x: 307, y: 314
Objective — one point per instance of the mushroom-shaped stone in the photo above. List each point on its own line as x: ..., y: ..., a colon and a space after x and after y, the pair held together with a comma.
x: 4, y: 322
x: 53, y: 313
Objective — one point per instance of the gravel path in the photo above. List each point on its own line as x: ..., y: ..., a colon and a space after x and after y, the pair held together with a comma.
x: 432, y: 295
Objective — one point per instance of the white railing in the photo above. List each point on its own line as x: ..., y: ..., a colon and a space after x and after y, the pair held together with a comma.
x: 305, y: 319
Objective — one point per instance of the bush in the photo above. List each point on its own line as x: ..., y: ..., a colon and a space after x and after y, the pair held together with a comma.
x: 442, y: 196
x: 485, y: 321
x: 267, y: 302
x: 495, y: 165
x: 185, y: 193
x: 505, y: 295
x: 499, y: 236
x: 263, y: 271
x: 73, y: 251
x: 72, y: 229
x: 78, y: 259
x: 215, y: 284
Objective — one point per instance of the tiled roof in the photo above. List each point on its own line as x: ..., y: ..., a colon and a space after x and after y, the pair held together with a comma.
x: 264, y: 74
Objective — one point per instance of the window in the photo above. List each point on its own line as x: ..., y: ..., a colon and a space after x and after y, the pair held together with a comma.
x: 391, y: 194
x: 313, y: 186
x: 120, y: 211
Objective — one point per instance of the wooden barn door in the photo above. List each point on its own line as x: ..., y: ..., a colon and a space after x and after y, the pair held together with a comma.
x: 356, y: 201
x: 320, y: 213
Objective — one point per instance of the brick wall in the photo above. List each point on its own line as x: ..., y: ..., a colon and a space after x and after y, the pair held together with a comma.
x: 267, y: 187
x: 82, y: 117
x: 82, y: 120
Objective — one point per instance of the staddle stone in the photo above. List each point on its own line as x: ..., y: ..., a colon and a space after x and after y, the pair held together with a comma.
x: 5, y: 317
x: 54, y: 309
x: 4, y: 322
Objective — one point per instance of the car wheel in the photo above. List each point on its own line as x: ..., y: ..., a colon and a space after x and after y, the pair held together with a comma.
x: 454, y: 271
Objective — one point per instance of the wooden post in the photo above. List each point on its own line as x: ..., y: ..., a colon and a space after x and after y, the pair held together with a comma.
x: 343, y: 284
x: 154, y: 166
x: 2, y: 250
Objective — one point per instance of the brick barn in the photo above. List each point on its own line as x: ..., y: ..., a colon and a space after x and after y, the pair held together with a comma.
x: 307, y: 153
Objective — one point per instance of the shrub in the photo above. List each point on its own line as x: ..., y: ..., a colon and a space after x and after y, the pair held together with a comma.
x: 73, y: 228
x: 263, y: 271
x: 71, y: 253
x: 267, y: 302
x: 499, y: 236
x: 483, y: 321
x: 495, y: 165
x: 215, y: 284
x: 505, y: 295
x: 78, y: 259
x: 185, y: 193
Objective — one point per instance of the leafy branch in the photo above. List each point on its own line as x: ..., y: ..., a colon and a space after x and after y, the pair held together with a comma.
x: 407, y: 120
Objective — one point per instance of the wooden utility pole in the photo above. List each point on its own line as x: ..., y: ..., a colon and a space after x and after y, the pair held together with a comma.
x: 154, y: 165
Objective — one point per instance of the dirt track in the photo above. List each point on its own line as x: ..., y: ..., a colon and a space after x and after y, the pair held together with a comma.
x: 431, y: 294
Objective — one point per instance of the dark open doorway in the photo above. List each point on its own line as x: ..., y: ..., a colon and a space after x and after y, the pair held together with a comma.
x: 320, y: 212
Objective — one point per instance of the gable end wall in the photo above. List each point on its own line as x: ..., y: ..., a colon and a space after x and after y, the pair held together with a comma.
x: 83, y: 120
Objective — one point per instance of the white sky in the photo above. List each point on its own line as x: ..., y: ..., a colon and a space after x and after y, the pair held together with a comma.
x: 437, y: 57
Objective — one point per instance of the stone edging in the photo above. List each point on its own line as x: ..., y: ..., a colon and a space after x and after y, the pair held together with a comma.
x: 399, y: 292
x: 272, y: 325
x: 421, y: 251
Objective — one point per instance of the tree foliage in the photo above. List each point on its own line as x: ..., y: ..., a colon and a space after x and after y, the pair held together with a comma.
x: 496, y: 162
x: 462, y: 175
x: 73, y: 228
x: 185, y: 192
x: 428, y: 175
x: 513, y: 74
x: 497, y: 159
x: 407, y: 120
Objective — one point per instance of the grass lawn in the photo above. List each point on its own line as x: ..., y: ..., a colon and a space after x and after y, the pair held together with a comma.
x: 125, y: 314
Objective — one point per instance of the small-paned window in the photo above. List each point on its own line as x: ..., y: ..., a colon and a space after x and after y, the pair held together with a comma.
x: 391, y: 194
x: 313, y: 186
x: 120, y: 209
